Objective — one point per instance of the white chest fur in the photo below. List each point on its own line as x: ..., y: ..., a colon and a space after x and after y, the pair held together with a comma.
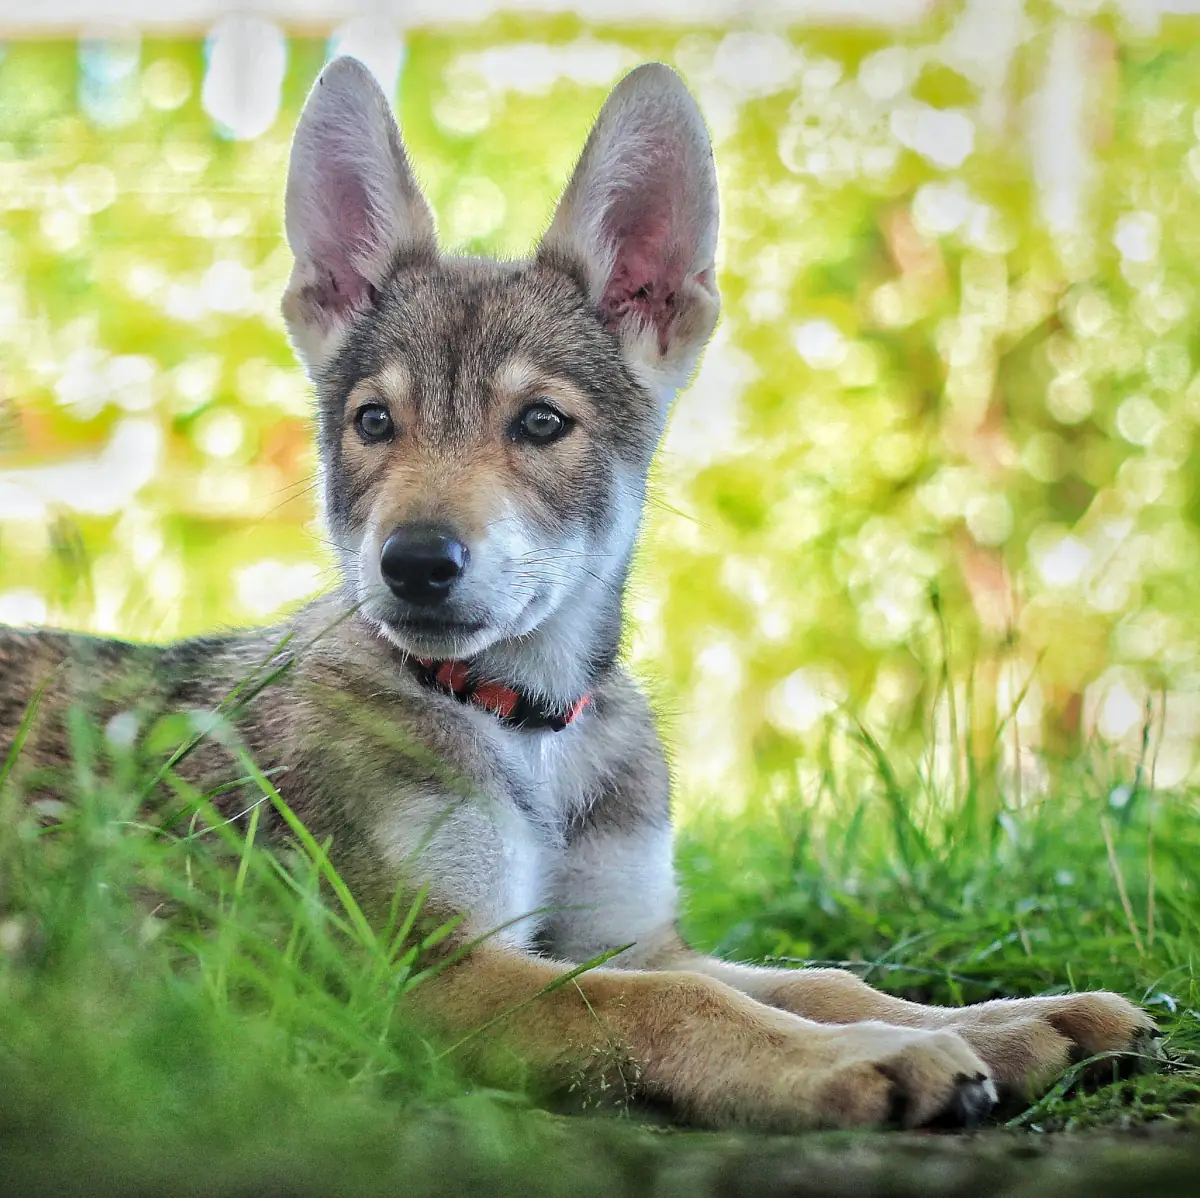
x: 494, y: 855
x: 477, y: 855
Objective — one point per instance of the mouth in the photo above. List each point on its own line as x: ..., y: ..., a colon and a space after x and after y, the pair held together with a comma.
x: 430, y: 635
x: 436, y: 626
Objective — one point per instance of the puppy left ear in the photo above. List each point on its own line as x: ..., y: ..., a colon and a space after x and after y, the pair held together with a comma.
x: 638, y: 223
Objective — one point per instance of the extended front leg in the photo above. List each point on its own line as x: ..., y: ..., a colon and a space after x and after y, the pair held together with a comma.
x: 707, y: 1051
x: 620, y: 887
x: 1026, y: 1042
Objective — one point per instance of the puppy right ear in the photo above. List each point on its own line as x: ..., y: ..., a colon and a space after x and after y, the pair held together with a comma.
x: 352, y: 210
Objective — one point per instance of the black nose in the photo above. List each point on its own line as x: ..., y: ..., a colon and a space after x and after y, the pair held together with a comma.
x: 421, y: 562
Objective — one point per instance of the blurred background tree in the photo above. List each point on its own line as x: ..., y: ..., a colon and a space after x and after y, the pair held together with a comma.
x: 939, y: 459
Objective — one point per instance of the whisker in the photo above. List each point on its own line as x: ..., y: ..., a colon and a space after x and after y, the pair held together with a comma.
x: 308, y: 481
x: 312, y: 486
x: 334, y: 545
x: 561, y: 552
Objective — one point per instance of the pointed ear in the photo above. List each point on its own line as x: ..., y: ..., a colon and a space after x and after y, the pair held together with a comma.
x: 639, y: 220
x: 352, y: 208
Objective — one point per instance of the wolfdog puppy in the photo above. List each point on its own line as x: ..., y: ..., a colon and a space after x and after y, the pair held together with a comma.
x: 455, y: 716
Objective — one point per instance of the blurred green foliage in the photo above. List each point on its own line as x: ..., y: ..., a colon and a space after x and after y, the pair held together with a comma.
x: 946, y: 431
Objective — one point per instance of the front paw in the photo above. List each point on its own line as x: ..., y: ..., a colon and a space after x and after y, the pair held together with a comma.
x: 1102, y: 1022
x: 889, y: 1076
x: 1029, y: 1042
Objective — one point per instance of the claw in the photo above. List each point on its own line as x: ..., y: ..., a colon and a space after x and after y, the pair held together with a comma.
x: 973, y: 1101
x: 1149, y: 1044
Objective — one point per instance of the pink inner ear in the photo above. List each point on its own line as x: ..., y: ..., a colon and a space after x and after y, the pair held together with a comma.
x: 346, y: 230
x: 646, y: 277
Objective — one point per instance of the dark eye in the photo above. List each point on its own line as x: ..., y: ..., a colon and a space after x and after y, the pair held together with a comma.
x: 374, y: 422
x: 541, y: 423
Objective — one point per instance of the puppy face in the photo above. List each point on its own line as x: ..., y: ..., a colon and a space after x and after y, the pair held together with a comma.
x: 486, y: 428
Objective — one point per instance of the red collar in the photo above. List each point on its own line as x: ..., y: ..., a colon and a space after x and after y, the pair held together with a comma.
x: 502, y: 701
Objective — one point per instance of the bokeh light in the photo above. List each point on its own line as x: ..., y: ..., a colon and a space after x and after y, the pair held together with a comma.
x: 951, y: 407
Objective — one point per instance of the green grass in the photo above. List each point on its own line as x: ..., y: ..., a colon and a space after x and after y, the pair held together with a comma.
x: 186, y: 1008
x: 1054, y: 896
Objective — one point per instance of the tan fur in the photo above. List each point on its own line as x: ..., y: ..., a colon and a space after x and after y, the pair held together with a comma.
x: 421, y: 481
x: 555, y: 847
x: 1025, y: 1042
x: 716, y: 1056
